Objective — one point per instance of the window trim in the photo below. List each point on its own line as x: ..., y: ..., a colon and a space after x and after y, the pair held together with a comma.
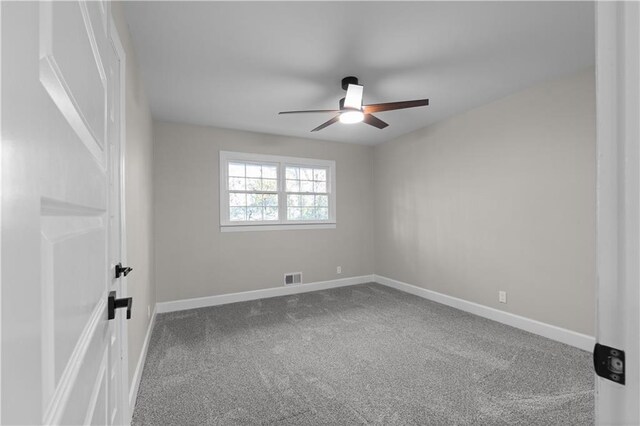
x: 226, y: 225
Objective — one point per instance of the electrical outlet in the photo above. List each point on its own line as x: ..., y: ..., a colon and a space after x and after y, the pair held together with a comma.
x: 339, y: 270
x: 502, y: 296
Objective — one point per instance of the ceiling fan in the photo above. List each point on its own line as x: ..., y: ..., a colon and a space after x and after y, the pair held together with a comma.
x: 352, y: 111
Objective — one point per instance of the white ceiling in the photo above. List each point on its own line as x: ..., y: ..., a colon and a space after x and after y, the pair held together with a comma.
x: 236, y: 64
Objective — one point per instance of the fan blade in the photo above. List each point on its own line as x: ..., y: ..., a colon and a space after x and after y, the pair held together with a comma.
x: 312, y: 110
x: 374, y: 121
x: 368, y: 109
x: 353, y: 99
x: 327, y: 123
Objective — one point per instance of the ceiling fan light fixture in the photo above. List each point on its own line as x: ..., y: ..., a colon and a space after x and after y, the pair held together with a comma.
x: 351, y: 110
x: 350, y: 117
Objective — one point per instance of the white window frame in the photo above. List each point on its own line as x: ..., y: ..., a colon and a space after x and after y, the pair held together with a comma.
x: 226, y: 225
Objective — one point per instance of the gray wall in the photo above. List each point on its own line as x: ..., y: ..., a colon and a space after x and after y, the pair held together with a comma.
x: 194, y: 259
x: 499, y: 198
x: 138, y: 197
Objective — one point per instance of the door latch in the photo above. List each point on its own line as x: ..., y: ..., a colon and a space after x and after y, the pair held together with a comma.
x: 114, y: 304
x: 609, y: 363
x: 122, y: 270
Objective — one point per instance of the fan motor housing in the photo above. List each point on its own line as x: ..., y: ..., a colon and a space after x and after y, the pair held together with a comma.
x: 347, y: 81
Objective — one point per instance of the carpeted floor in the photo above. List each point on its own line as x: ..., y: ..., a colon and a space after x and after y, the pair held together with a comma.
x: 364, y: 354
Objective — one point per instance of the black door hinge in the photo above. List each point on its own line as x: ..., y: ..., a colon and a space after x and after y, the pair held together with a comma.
x: 609, y: 363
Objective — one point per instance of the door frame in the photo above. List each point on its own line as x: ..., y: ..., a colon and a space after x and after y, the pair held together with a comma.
x: 122, y: 322
x: 1, y: 149
x: 618, y: 206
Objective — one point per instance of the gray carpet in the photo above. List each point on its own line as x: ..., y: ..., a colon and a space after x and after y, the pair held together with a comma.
x: 364, y: 354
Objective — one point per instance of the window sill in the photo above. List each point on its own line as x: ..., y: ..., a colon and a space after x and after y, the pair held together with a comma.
x: 280, y: 227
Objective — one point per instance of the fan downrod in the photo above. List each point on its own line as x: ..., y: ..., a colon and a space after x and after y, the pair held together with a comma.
x: 347, y: 81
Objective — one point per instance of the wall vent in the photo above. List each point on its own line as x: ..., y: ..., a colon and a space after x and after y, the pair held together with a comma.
x: 293, y: 278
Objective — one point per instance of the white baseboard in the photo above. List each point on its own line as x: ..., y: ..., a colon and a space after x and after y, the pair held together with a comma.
x: 137, y: 375
x: 581, y: 341
x: 201, y: 302
x: 578, y: 340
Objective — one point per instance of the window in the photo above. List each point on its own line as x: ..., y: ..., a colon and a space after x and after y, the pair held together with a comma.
x: 307, y: 196
x: 272, y: 192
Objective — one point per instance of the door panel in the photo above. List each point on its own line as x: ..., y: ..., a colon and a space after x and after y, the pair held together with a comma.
x: 72, y: 71
x: 76, y: 406
x: 61, y: 358
x: 67, y: 302
x: 97, y: 413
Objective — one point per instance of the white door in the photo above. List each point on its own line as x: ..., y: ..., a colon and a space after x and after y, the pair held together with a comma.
x: 60, y: 124
x: 618, y: 189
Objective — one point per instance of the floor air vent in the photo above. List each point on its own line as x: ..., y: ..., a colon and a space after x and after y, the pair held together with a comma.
x: 293, y: 278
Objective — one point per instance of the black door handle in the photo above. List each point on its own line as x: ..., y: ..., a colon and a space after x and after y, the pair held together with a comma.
x: 122, y: 270
x: 114, y: 304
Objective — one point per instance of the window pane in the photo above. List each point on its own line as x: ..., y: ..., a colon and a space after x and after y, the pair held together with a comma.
x: 237, y: 214
x: 269, y: 185
x: 306, y: 174
x: 322, y: 200
x: 293, y: 200
x: 270, y: 172
x: 293, y: 213
x: 307, y: 213
x: 319, y: 187
x: 271, y: 213
x: 253, y: 177
x: 254, y: 170
x: 254, y: 200
x: 270, y: 200
x: 292, y: 173
x: 237, y: 200
x: 236, y: 169
x: 254, y: 184
x: 320, y: 175
x: 306, y: 186
x: 293, y: 186
x: 254, y: 213
x: 236, y: 184
x: 258, y: 207
x: 322, y: 214
x: 307, y: 200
